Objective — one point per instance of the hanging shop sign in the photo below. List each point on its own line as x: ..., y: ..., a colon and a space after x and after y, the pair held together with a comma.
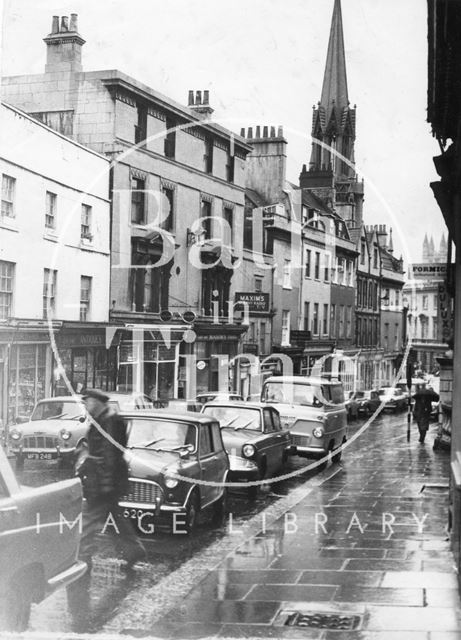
x: 256, y: 301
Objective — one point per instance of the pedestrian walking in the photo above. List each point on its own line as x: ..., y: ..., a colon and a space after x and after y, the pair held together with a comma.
x: 422, y: 409
x: 104, y: 474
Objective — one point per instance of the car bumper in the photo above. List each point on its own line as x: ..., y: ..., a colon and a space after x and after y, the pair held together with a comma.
x: 56, y: 453
x: 74, y: 572
x: 242, y: 469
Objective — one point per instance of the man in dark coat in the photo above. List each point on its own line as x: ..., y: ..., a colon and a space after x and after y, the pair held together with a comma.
x: 104, y: 474
x: 422, y: 410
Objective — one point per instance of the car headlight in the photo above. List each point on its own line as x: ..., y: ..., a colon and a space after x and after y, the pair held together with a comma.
x: 318, y: 432
x: 171, y: 482
x: 15, y: 434
x: 65, y: 434
x: 248, y: 450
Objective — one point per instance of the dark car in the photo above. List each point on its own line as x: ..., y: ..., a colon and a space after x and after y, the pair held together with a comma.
x: 39, y: 547
x: 177, y: 464
x: 257, y: 444
x: 352, y: 406
x: 368, y: 401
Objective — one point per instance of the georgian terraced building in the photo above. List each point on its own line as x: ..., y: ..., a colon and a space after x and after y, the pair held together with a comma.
x: 177, y: 187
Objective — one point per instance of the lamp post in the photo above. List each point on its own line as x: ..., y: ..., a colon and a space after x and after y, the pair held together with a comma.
x: 409, y: 363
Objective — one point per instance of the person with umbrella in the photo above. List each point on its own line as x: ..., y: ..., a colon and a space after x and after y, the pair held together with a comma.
x: 422, y: 409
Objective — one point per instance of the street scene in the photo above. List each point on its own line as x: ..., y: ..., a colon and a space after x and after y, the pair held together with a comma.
x: 229, y: 379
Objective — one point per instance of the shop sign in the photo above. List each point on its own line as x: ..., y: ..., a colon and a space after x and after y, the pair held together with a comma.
x: 444, y: 313
x: 428, y: 270
x: 256, y: 301
x: 81, y: 340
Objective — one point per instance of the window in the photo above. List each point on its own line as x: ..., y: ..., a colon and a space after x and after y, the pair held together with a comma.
x: 85, y: 298
x: 359, y: 332
x: 386, y: 336
x: 8, y: 189
x: 170, y: 138
x: 396, y: 337
x: 435, y: 329
x: 205, y: 441
x: 285, y: 328
x: 307, y: 267
x: 49, y: 292
x: 326, y: 276
x: 425, y: 302
x: 208, y: 156
x: 228, y: 215
x: 304, y: 214
x: 362, y: 252
x: 397, y: 298
x: 349, y: 322
x: 50, y: 213
x: 317, y: 266
x: 168, y: 206
x: 230, y: 167
x: 325, y: 319
x: 6, y: 289
x: 140, y: 129
x: 340, y: 279
x: 315, y: 319
x: 248, y: 228
x: 375, y: 258
x: 137, y: 200
x: 205, y: 212
x: 287, y: 274
x: 341, y: 321
x: 333, y: 320
x: 436, y: 302
x: 350, y: 273
x: 306, y: 316
x: 424, y: 327
x: 258, y: 285
x: 85, y: 224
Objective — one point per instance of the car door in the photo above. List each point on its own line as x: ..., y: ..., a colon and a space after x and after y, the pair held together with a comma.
x: 210, y: 464
x: 273, y: 443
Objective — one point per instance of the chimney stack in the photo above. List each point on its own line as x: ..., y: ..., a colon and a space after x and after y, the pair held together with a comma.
x: 200, y: 106
x: 64, y: 45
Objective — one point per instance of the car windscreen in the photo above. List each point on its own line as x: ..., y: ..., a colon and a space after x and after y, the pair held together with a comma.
x: 235, y: 417
x: 160, y: 434
x: 54, y: 409
x: 361, y: 394
x: 293, y: 392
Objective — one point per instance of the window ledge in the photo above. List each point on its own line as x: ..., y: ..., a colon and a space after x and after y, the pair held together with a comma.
x: 52, y: 236
x: 8, y: 223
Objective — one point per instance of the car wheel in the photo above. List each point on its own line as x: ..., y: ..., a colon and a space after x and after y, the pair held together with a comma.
x: 336, y: 457
x: 17, y: 607
x: 192, y: 511
x: 220, y: 509
x: 19, y: 463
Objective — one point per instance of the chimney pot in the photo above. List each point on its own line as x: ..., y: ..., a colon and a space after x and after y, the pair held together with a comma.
x: 191, y: 98
x: 280, y: 132
x: 250, y: 132
x: 206, y: 97
x: 258, y: 131
x: 55, y: 24
x: 64, y: 23
x: 242, y: 132
x: 198, y: 97
x: 265, y: 132
x: 272, y: 132
x: 73, y: 22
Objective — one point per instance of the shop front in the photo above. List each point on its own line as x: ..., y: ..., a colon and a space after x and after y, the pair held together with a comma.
x: 85, y: 356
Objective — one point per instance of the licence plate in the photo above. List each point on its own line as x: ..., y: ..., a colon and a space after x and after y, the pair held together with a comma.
x: 41, y: 456
x: 144, y: 519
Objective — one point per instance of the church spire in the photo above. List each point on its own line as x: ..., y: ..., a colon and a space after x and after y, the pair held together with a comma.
x: 334, y: 90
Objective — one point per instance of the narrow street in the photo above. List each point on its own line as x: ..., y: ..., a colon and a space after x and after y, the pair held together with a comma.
x: 273, y: 549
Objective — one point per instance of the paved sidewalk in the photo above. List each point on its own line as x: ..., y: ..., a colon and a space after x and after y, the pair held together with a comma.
x: 367, y: 548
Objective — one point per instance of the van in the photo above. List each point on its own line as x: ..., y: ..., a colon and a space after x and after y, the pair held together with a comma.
x: 313, y: 410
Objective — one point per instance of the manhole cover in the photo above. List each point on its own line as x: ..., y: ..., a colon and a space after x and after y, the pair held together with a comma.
x: 321, y: 620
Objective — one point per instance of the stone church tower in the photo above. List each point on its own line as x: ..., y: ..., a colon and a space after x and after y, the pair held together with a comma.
x: 331, y: 174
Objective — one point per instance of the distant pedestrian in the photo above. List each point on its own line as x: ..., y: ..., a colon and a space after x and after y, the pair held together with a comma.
x: 422, y: 409
x: 104, y: 474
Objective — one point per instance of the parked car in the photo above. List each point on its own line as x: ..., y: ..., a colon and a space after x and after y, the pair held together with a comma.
x: 218, y: 396
x: 368, y: 401
x: 256, y: 442
x: 394, y: 399
x: 57, y: 427
x: 314, y: 412
x: 177, y: 464
x: 38, y: 552
x: 402, y: 385
x: 352, y: 405
x: 175, y: 405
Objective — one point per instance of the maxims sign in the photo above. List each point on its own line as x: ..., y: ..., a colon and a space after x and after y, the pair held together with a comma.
x: 255, y: 301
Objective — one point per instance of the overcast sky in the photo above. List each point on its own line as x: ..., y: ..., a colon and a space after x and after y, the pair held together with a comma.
x: 263, y: 62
